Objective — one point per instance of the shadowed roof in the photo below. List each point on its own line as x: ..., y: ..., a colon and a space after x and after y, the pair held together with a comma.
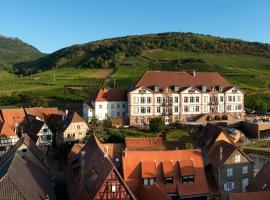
x: 261, y: 182
x: 182, y: 79
x: 250, y: 196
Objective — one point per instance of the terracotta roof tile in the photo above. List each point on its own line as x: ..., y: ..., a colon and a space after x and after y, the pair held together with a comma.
x: 149, y: 169
x: 111, y: 95
x: 152, y: 192
x: 133, y: 172
x: 186, y: 167
x: 149, y: 143
x: 182, y: 79
x: 167, y: 168
x: 40, y: 112
x: 6, y: 130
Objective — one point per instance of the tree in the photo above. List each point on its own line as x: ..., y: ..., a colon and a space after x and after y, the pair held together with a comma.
x: 156, y: 125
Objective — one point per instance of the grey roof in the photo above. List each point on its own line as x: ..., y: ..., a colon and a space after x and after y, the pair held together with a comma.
x: 22, y: 180
x: 22, y: 177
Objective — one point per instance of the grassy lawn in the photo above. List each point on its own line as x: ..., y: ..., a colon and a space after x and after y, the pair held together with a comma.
x: 180, y: 135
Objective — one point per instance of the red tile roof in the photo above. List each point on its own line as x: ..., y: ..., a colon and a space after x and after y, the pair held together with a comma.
x: 11, y: 118
x: 153, y: 192
x: 42, y: 113
x: 186, y: 167
x: 111, y: 95
x: 143, y: 144
x: 250, y: 196
x: 165, y: 79
x: 167, y: 168
x: 149, y: 169
x: 261, y: 182
x: 133, y: 169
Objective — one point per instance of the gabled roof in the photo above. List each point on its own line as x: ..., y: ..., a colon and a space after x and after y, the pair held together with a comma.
x: 96, y: 171
x: 26, y: 140
x: 33, y: 128
x: 20, y: 179
x: 208, y: 135
x: 144, y: 144
x: 110, y: 95
x: 24, y: 174
x: 71, y: 117
x: 227, y: 150
x: 134, y: 170
x: 182, y: 79
x: 250, y: 196
x: 261, y: 182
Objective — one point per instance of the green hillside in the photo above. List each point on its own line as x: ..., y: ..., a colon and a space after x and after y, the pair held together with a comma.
x: 112, y: 52
x: 13, y: 50
x: 73, y: 73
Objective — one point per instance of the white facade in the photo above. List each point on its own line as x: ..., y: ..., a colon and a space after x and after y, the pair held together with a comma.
x: 6, y: 143
x: 45, y: 138
x: 104, y: 110
x: 174, y: 105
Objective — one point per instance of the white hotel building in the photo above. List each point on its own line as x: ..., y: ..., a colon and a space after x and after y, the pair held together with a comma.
x: 184, y: 96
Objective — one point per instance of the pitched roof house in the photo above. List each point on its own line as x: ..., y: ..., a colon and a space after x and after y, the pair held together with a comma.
x: 92, y: 175
x: 24, y: 173
x: 232, y: 168
x: 11, y: 127
x: 177, y: 173
x: 108, y: 103
x: 73, y: 128
x: 40, y: 133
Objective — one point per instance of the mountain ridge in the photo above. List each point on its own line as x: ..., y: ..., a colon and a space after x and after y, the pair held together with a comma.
x: 14, y: 50
x: 109, y: 53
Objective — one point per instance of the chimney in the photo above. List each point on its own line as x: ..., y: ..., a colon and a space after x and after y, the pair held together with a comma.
x: 194, y: 73
x: 66, y: 112
x: 82, y: 164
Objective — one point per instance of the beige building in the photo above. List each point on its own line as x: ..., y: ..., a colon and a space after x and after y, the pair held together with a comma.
x: 74, y: 128
x: 184, y: 96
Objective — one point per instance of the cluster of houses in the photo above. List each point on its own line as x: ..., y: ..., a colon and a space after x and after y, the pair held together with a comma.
x: 43, y: 125
x: 147, y: 168
x: 141, y: 168
x: 174, y: 96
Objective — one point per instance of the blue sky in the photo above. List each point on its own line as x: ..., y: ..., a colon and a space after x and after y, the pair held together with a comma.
x: 53, y: 24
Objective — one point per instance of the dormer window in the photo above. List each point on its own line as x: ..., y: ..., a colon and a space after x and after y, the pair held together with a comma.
x: 149, y: 172
x: 176, y: 88
x: 168, y: 180
x: 187, y: 179
x: 220, y: 88
x: 156, y: 88
x: 203, y: 88
x: 149, y: 181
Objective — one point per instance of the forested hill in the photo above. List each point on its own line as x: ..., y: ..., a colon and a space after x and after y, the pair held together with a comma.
x: 13, y: 50
x: 111, y: 52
